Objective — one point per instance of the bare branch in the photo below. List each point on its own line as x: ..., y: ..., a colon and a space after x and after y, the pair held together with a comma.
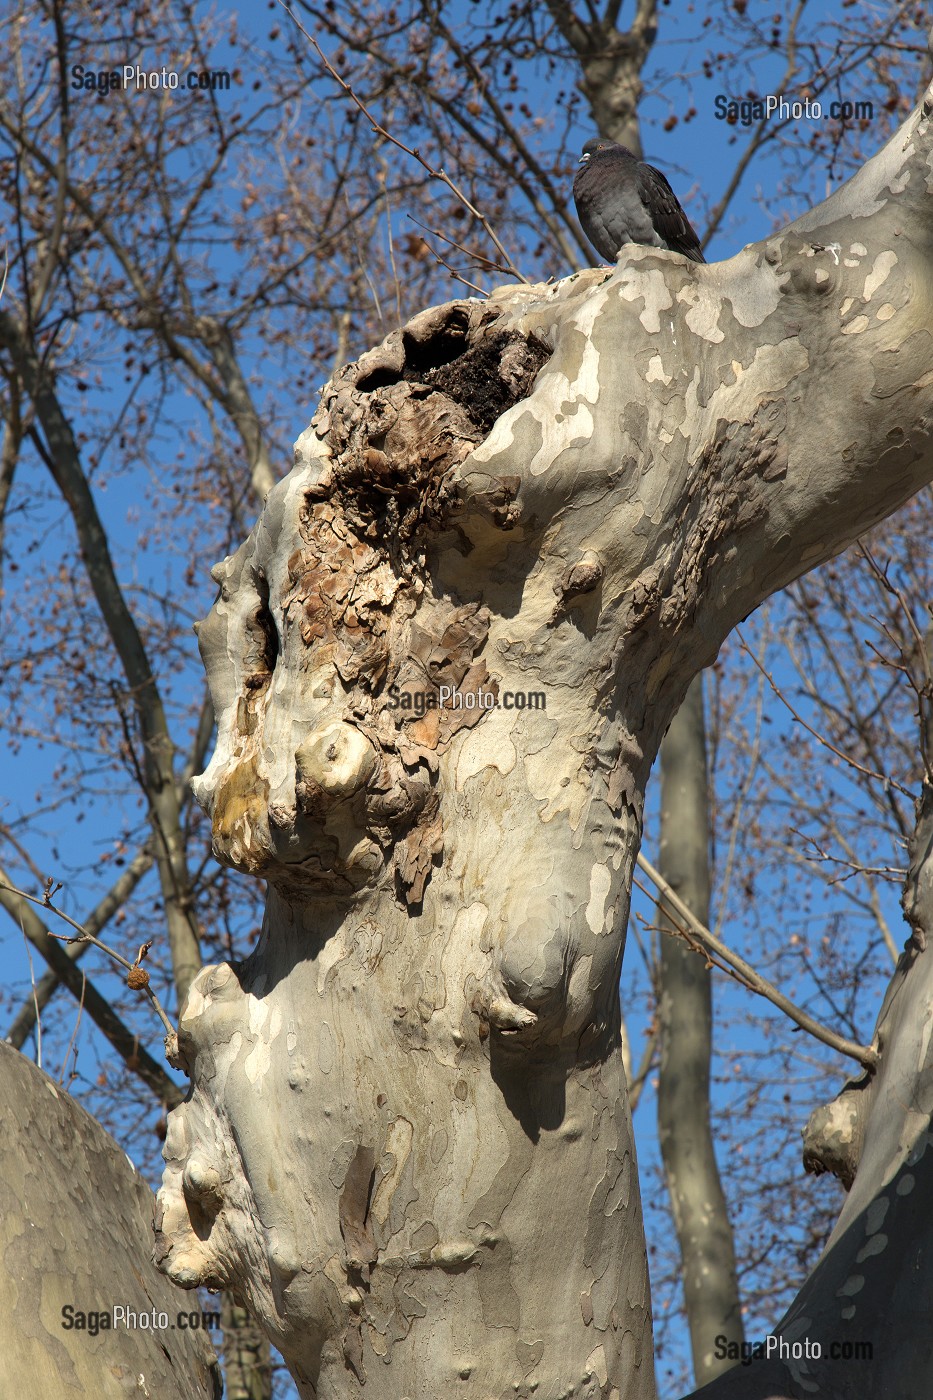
x: 755, y: 982
x: 124, y: 1041
x: 85, y: 937
x: 387, y: 135
x: 867, y: 772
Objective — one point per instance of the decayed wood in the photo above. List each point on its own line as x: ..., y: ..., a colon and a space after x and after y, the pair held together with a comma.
x: 407, y: 1143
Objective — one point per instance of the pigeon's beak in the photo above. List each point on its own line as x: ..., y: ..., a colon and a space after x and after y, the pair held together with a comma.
x: 584, y: 158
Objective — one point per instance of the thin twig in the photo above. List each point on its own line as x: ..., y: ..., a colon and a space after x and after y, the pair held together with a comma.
x: 458, y: 276
x: 85, y: 937
x: 380, y: 130
x: 488, y: 264
x: 922, y: 692
x: 864, y: 1054
x: 846, y: 758
x: 391, y: 242
x: 32, y: 979
x: 744, y: 791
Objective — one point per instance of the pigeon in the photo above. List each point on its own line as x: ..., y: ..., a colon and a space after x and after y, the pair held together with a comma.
x: 620, y: 200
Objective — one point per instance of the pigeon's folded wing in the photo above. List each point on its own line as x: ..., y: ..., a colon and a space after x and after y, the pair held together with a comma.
x: 669, y: 219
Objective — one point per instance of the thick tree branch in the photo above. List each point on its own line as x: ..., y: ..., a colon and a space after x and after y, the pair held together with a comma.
x: 612, y: 62
x: 572, y: 491
x: 685, y: 1015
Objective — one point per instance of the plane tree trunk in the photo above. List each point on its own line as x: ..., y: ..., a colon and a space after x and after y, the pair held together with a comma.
x: 442, y: 664
x: 685, y: 1013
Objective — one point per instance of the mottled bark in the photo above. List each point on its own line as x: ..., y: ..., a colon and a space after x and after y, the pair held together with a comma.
x: 612, y: 64
x: 75, y: 1232
x: 407, y: 1142
x: 701, y: 1219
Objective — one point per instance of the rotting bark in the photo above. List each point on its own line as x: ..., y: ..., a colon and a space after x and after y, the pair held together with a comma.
x: 407, y: 1142
x: 701, y: 1218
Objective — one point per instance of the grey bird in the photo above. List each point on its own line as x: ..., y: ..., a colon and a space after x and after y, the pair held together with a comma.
x: 620, y: 199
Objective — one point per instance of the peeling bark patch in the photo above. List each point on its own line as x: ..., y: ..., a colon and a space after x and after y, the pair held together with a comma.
x: 355, y: 1226
x: 600, y: 885
x: 717, y: 505
x: 883, y: 265
x: 240, y: 825
x: 702, y: 316
x: 894, y: 368
x: 611, y: 1195
x: 875, y: 1245
x: 875, y: 1215
x: 498, y: 1299
x: 395, y: 1154
x: 649, y: 285
x: 353, y: 1351
x: 833, y: 1137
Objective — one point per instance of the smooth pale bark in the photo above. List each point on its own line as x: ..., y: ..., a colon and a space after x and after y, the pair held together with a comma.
x: 76, y: 1230
x: 407, y: 1141
x: 701, y: 1218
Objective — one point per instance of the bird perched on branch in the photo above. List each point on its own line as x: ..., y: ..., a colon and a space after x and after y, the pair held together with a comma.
x: 620, y: 200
